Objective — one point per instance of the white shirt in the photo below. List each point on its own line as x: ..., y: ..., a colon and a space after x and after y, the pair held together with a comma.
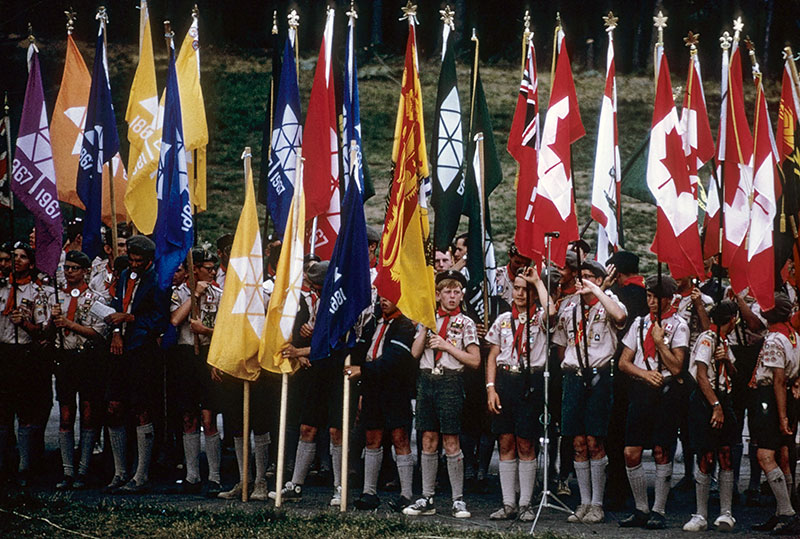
x: 601, y: 332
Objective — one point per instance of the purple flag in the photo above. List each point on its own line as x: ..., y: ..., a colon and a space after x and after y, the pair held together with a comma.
x: 33, y: 177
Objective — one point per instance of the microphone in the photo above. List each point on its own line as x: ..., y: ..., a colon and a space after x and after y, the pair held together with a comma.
x: 552, y: 234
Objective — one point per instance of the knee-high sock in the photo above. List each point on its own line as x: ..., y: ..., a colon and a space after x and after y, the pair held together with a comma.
x: 725, y: 491
x: 66, y: 442
x: 336, y: 464
x: 638, y: 483
x: 191, y: 452
x: 261, y: 443
x: 508, y: 480
x: 25, y: 444
x: 144, y: 440
x: 373, y: 458
x: 214, y: 456
x: 306, y: 451
x: 702, y: 484
x: 405, y: 470
x: 87, y: 447
x: 527, y: 479
x: 598, y: 467
x: 429, y: 462
x: 584, y: 475
x: 663, y: 480
x: 455, y: 470
x: 118, y: 437
x: 777, y: 482
x: 789, y: 484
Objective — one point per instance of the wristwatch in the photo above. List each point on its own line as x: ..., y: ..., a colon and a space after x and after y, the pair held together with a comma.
x: 715, y: 404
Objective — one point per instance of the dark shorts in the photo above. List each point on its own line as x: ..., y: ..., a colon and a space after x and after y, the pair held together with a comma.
x: 654, y: 414
x: 136, y: 376
x: 763, y: 422
x: 440, y: 402
x: 520, y: 413
x: 27, y: 384
x: 475, y: 416
x: 586, y: 407
x: 79, y: 373
x: 264, y: 399
x: 323, y: 403
x: 384, y: 405
x: 703, y: 436
x: 194, y: 389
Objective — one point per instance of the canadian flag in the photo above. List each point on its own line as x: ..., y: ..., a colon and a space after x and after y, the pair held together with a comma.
x: 737, y: 173
x: 606, y: 184
x: 677, y: 240
x: 321, y: 152
x: 760, y: 255
x: 698, y: 143
x: 523, y: 145
x: 554, y: 205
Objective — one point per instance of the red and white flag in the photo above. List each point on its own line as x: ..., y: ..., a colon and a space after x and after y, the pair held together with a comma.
x: 698, y: 143
x: 737, y: 173
x: 321, y: 151
x: 606, y: 184
x: 677, y: 240
x: 554, y: 205
x: 760, y: 254
x: 523, y: 145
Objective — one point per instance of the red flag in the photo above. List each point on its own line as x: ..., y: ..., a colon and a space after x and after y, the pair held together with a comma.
x: 677, y: 240
x: 321, y: 151
x: 698, y: 143
x: 760, y: 254
x: 737, y: 173
x: 554, y: 205
x: 523, y: 145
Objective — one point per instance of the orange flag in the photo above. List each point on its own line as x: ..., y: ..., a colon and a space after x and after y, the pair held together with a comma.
x: 66, y: 130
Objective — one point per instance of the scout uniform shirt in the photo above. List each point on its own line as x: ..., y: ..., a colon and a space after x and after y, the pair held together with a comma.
x: 33, y: 300
x: 703, y: 352
x: 780, y: 350
x: 687, y: 310
x: 76, y: 304
x: 102, y: 280
x: 509, y: 331
x: 676, y: 335
x: 208, y: 304
x: 596, y: 332
x: 505, y: 284
x: 459, y: 330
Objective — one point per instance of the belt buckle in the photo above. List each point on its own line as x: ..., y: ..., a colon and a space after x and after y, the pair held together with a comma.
x: 514, y: 369
x: 437, y: 371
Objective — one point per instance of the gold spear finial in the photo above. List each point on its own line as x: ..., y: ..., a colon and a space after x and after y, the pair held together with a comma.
x: 195, y: 12
x: 102, y: 15
x: 294, y: 19
x: 275, y: 22
x: 447, y: 16
x: 409, y: 12
x: 610, y: 21
x: 527, y: 20
x: 71, y: 16
x: 691, y: 40
x: 352, y: 14
x: 558, y: 20
x: 725, y: 40
x: 660, y: 22
x: 738, y: 25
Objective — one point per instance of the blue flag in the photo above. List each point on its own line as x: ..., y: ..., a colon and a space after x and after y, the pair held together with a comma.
x: 100, y: 144
x: 174, y: 229
x: 286, y: 139
x: 351, y: 122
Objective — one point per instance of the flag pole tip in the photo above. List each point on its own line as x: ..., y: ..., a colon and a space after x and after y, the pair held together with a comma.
x: 610, y: 21
x: 691, y: 40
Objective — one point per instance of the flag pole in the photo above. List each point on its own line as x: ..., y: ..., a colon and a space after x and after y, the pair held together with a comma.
x: 555, y: 51
x: 345, y: 435
x: 482, y: 183
x: 526, y: 34
x: 270, y: 112
x: 246, y: 388
x: 660, y: 22
x: 787, y: 51
x: 102, y: 16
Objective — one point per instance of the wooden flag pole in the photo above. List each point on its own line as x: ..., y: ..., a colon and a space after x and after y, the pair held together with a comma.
x: 482, y: 200
x: 345, y: 436
x: 281, y: 439
x: 555, y: 50
x: 526, y: 34
x: 246, y: 440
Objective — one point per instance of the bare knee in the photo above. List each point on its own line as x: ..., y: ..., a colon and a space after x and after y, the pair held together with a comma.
x: 116, y: 414
x: 430, y: 442
x: 660, y: 455
x: 725, y: 459
x: 633, y: 456
x: 209, y: 419
x: 580, y: 448
x: 402, y: 445
x: 451, y: 444
x: 67, y: 418
x: 336, y: 436
x: 507, y: 447
x: 190, y: 423
x: 705, y: 462
x: 596, y: 448
x: 525, y: 449
x: 374, y: 439
x: 308, y: 433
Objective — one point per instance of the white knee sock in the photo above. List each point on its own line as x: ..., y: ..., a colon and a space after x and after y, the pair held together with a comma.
x: 261, y: 443
x: 584, y: 475
x: 87, y: 447
x: 638, y: 483
x: 144, y: 439
x: 455, y: 470
x: 527, y: 479
x: 598, y: 467
x: 372, y: 467
x: 725, y: 491
x: 191, y: 451
x: 336, y: 464
x: 405, y: 470
x: 701, y: 487
x: 777, y: 482
x: 306, y: 451
x: 508, y: 480
x: 214, y: 456
x: 118, y: 437
x: 429, y: 462
x: 663, y: 484
x: 66, y: 441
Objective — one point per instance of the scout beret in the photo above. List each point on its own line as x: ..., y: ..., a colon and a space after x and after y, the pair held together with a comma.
x: 451, y: 274
x: 625, y: 262
x: 597, y: 269
x: 79, y: 257
x: 141, y: 245
x: 316, y: 272
x: 667, y: 288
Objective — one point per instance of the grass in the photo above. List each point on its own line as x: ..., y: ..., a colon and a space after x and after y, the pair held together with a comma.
x: 131, y: 519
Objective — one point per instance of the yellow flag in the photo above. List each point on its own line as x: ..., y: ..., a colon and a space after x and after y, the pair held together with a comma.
x: 144, y: 133
x: 193, y: 111
x: 240, y: 317
x: 285, y: 298
x: 404, y: 275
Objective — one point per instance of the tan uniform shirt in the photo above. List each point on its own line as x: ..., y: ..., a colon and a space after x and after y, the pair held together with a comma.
x: 461, y: 332
x: 778, y: 352
x: 676, y: 335
x: 87, y: 298
x: 600, y: 333
x: 34, y: 301
x: 501, y: 333
x: 209, y: 303
x: 703, y: 352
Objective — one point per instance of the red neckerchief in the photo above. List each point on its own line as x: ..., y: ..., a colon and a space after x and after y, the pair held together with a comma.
x: 386, y: 321
x: 511, y: 277
x: 685, y: 294
x: 129, y: 286
x: 570, y: 290
x: 649, y: 342
x: 723, y: 366
x: 445, y: 326
x: 635, y: 280
x: 12, y: 296
x: 520, y: 344
x: 73, y: 302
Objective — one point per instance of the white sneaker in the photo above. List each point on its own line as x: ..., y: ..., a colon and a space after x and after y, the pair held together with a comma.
x: 289, y: 493
x: 460, y: 509
x: 336, y: 499
x: 725, y: 522
x: 580, y: 512
x: 698, y: 523
x: 260, y: 491
x: 422, y: 507
x: 594, y: 515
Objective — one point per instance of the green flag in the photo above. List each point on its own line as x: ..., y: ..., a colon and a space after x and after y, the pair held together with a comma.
x: 480, y: 251
x: 634, y: 182
x: 447, y: 155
